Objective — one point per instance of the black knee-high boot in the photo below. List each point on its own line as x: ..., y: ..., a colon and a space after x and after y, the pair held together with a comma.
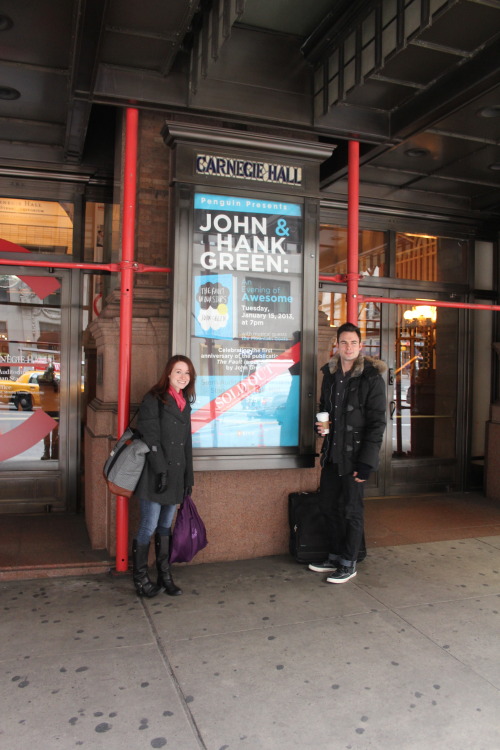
x: 162, y: 547
x: 143, y: 585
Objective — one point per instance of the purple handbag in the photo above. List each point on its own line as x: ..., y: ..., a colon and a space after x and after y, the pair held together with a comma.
x: 189, y: 535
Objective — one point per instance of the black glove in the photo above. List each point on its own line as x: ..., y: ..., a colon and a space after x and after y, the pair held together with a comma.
x: 161, y: 483
x: 187, y: 491
x: 363, y: 470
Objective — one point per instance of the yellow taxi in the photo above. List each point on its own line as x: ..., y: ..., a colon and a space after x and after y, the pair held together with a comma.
x: 23, y: 393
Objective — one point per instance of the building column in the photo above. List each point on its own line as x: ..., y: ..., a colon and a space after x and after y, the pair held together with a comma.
x: 149, y: 354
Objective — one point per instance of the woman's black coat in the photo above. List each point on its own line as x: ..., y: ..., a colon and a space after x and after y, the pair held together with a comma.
x: 167, y: 432
x: 361, y: 423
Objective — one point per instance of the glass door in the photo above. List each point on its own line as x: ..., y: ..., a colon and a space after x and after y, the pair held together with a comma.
x: 35, y: 444
x: 424, y: 431
x: 424, y: 352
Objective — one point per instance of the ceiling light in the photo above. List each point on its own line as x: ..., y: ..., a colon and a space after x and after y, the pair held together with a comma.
x: 5, y: 23
x: 422, y: 314
x: 417, y: 153
x: 490, y: 111
x: 6, y: 92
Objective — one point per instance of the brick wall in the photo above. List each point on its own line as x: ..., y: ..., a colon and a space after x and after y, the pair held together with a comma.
x: 153, y: 199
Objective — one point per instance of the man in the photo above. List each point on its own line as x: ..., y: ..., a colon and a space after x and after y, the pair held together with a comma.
x: 49, y: 399
x: 353, y: 393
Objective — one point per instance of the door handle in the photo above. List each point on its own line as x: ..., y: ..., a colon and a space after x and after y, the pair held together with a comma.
x: 392, y: 407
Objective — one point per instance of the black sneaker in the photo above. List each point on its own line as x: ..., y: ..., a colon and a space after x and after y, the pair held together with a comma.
x: 342, y: 574
x: 324, y: 567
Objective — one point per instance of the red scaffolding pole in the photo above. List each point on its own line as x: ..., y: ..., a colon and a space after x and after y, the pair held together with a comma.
x: 361, y: 298
x: 353, y: 232
x: 126, y: 301
x: 431, y: 302
x: 92, y: 267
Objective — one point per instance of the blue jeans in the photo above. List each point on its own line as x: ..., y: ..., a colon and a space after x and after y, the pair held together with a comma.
x: 154, y: 517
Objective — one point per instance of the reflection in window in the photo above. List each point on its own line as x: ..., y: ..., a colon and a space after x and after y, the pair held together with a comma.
x: 4, y: 338
x: 334, y: 306
x: 333, y: 251
x: 420, y: 257
x: 429, y: 258
x: 30, y: 346
x: 101, y: 245
x: 38, y: 226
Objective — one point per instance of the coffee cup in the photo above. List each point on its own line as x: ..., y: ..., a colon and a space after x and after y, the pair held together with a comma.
x: 324, y: 418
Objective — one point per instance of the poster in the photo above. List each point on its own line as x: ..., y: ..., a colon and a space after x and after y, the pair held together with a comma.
x: 246, y: 321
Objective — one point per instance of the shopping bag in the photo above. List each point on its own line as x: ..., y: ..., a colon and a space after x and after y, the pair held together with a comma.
x: 125, y: 463
x: 189, y: 535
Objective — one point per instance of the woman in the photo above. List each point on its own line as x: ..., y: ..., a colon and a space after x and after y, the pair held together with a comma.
x: 165, y: 424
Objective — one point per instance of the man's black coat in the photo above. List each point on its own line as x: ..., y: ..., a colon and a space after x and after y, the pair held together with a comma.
x: 361, y: 423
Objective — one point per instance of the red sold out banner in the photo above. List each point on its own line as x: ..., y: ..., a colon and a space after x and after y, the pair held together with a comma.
x: 266, y: 372
x: 41, y: 285
x: 25, y: 435
x: 39, y: 424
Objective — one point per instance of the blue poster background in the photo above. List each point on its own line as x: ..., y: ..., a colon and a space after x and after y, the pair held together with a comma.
x: 247, y: 310
x: 268, y: 417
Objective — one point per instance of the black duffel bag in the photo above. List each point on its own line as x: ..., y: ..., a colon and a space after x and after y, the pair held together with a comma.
x: 309, y: 524
x: 310, y: 521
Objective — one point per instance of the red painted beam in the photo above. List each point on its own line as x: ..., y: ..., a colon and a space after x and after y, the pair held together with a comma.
x: 352, y: 231
x: 430, y: 302
x: 126, y: 301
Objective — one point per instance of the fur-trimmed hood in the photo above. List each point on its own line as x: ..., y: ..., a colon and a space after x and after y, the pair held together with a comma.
x: 359, y: 365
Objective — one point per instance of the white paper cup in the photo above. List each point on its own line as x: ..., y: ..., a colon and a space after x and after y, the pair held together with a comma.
x: 324, y: 418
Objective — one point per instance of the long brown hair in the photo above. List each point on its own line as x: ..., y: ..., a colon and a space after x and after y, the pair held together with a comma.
x: 161, y: 386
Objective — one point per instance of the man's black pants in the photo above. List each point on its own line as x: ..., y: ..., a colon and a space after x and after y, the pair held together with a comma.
x: 344, y: 498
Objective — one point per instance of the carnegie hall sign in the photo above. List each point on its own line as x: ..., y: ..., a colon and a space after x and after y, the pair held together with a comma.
x: 244, y: 169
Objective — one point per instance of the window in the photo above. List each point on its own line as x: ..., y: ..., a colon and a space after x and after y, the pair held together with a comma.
x: 333, y: 251
x: 38, y: 226
x: 430, y: 258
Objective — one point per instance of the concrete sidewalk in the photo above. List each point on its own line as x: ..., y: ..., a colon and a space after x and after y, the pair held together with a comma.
x: 260, y: 655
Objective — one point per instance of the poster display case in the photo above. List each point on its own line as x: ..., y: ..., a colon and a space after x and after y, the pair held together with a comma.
x: 246, y: 321
x: 245, y: 310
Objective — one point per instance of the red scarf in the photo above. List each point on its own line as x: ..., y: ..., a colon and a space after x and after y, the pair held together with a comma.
x: 178, y: 397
